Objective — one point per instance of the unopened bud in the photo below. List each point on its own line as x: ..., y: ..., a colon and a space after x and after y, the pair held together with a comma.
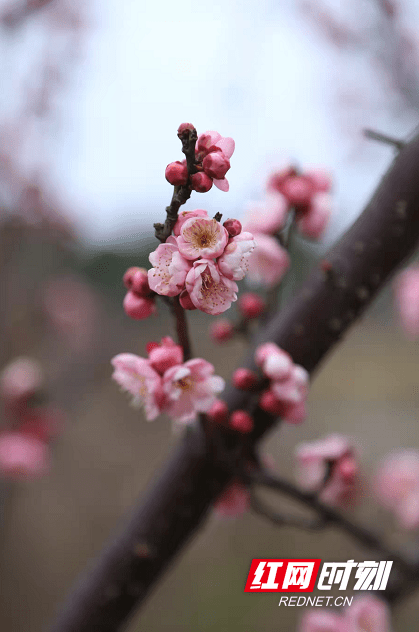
x: 185, y: 301
x: 218, y: 413
x: 251, y: 305
x: 221, y: 330
x: 138, y: 307
x: 241, y: 421
x: 200, y: 182
x: 216, y: 165
x: 233, y: 227
x: 176, y: 173
x: 244, y: 379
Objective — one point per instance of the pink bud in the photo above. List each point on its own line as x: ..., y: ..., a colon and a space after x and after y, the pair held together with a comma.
x: 185, y: 301
x: 176, y: 173
x: 241, y: 421
x: 299, y: 190
x: 271, y: 404
x: 244, y: 379
x: 185, y: 128
x: 222, y: 330
x: 200, y: 182
x: 295, y: 413
x: 216, y: 165
x: 138, y: 307
x: 251, y: 305
x: 150, y: 346
x: 233, y: 227
x: 136, y: 279
x: 218, y: 413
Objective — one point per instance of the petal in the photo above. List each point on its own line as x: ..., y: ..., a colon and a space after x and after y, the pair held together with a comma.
x: 227, y: 145
x: 223, y: 184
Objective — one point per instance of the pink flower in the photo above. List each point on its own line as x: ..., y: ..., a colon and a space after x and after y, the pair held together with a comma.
x: 222, y: 330
x: 136, y: 376
x: 21, y: 378
x: 210, y: 291
x: 170, y: 269
x: 233, y: 502
x: 234, y: 262
x: 321, y: 178
x: 329, y: 466
x: 267, y: 217
x: 275, y: 363
x: 312, y: 223
x: 22, y: 455
x: 397, y: 486
x: 183, y: 216
x: 191, y: 388
x: 321, y: 621
x: 251, y: 305
x: 202, y: 237
x: 138, y: 307
x: 277, y: 179
x: 406, y: 289
x: 214, y: 153
x: 294, y: 388
x: 165, y: 355
x: 268, y: 262
x: 298, y: 190
x: 367, y: 614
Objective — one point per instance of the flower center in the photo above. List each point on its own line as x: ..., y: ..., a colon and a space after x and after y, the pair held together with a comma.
x: 185, y: 384
x: 202, y: 234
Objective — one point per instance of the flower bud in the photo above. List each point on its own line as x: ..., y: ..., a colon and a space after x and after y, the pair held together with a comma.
x: 271, y: 404
x: 216, y: 165
x: 241, y: 421
x: 185, y: 128
x: 177, y: 173
x: 295, y: 413
x: 244, y: 379
x: 218, y: 413
x: 138, y: 307
x: 136, y: 280
x: 200, y: 182
x: 233, y: 227
x: 251, y: 305
x: 222, y: 330
x: 185, y: 301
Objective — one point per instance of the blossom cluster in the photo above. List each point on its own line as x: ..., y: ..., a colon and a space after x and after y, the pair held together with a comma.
x: 288, y: 384
x: 329, y: 467
x: 164, y: 383
x: 201, y: 262
x: 212, y: 161
x: 24, y: 443
x: 365, y: 613
x: 306, y: 194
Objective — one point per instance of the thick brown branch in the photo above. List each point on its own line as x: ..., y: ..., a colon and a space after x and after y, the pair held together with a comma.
x: 308, y: 328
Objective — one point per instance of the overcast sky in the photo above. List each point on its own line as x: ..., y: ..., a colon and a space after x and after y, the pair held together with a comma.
x: 255, y: 71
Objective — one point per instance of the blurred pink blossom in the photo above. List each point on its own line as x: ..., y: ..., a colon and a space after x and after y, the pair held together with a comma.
x: 268, y: 262
x: 329, y: 466
x: 397, y: 486
x: 313, y: 222
x: 22, y: 455
x: 234, y: 262
x: 21, y: 378
x: 266, y: 217
x: 406, y: 289
x: 165, y: 355
x: 367, y: 613
x: 321, y: 621
x: 233, y: 502
x: 136, y: 376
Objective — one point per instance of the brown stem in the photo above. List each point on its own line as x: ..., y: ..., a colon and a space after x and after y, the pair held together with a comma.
x: 182, y: 328
x: 308, y: 328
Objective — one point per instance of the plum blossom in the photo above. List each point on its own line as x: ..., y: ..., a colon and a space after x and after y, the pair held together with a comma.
x: 190, y: 388
x: 267, y: 217
x: 313, y: 222
x: 234, y: 262
x: 213, y: 152
x: 202, y: 237
x: 183, y: 216
x: 268, y: 262
x: 407, y: 300
x: 367, y: 613
x: 136, y: 376
x: 209, y: 290
x: 329, y: 466
x: 22, y: 455
x: 168, y: 275
x: 233, y: 502
x: 320, y: 621
x: 21, y: 378
x: 397, y: 486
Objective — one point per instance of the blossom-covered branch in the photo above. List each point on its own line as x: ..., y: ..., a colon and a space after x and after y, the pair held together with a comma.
x: 335, y: 294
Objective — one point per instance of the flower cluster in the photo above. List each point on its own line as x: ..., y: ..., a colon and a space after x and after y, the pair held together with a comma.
x: 212, y: 161
x: 201, y: 262
x: 365, y: 613
x: 139, y: 300
x: 397, y: 486
x: 307, y: 195
x: 329, y: 466
x: 288, y: 384
x: 24, y: 444
x: 164, y: 383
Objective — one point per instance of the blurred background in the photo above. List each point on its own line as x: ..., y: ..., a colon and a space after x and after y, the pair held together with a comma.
x: 92, y: 95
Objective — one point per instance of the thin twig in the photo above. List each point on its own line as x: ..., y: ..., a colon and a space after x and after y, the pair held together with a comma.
x: 182, y: 331
x: 383, y: 138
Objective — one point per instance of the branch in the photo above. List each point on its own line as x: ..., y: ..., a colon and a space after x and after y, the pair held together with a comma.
x: 177, y: 503
x: 182, y: 328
